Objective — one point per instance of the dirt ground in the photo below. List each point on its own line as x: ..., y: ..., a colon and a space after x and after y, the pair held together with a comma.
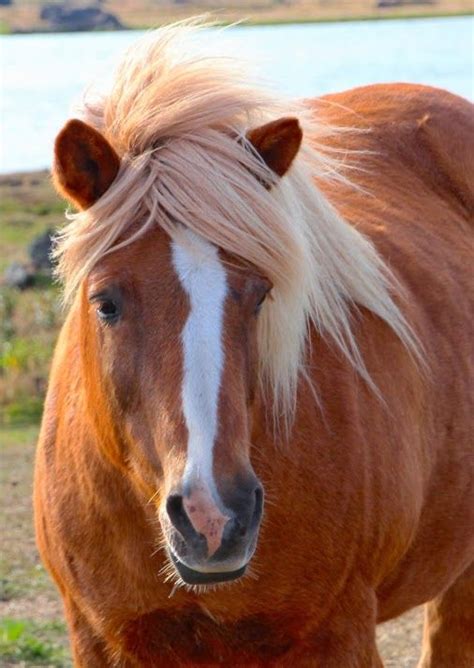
x: 28, y: 594
x: 399, y: 641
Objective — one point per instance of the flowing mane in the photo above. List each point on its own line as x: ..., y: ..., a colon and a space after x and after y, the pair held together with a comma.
x: 178, y: 120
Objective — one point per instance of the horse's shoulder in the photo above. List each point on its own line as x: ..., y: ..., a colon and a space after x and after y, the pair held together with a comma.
x: 425, y: 129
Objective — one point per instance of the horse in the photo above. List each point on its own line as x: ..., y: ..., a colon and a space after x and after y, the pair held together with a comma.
x: 257, y: 437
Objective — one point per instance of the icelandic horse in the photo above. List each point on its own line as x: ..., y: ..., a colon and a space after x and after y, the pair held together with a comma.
x: 266, y: 299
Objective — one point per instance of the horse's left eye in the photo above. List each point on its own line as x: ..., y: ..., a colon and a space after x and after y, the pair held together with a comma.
x: 259, y: 304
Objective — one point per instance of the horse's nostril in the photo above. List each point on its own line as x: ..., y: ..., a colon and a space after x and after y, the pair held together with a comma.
x: 174, y: 506
x: 258, y: 508
x: 177, y: 514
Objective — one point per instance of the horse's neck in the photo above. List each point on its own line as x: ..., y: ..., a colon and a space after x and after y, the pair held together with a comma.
x: 69, y: 433
x: 329, y: 386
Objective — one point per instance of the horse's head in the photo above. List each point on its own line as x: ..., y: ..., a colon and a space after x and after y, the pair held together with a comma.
x: 170, y: 330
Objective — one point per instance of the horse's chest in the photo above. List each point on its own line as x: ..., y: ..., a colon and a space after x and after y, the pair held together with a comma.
x: 191, y: 637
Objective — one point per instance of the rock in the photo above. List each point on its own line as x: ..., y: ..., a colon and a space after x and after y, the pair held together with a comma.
x: 40, y: 250
x: 66, y: 18
x: 50, y: 12
x: 19, y: 276
x: 403, y: 3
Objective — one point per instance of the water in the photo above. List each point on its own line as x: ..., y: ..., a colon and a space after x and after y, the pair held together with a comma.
x: 43, y: 74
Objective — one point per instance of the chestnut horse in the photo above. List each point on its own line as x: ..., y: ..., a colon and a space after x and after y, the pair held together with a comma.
x: 265, y: 299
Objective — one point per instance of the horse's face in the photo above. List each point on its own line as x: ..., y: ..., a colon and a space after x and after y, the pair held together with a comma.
x: 171, y: 332
x: 173, y: 326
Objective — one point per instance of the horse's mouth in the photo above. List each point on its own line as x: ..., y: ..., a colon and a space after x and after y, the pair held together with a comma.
x: 192, y: 577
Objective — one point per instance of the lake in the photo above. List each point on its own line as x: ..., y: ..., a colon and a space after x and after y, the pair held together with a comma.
x: 43, y: 74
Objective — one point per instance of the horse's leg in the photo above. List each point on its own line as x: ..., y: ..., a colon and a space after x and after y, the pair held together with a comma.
x: 87, y: 649
x: 448, y: 640
x: 347, y: 637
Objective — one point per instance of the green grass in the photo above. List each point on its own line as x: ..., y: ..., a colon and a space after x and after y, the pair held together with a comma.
x: 9, y: 205
x: 17, y: 436
x: 26, y: 590
x: 33, y: 643
x: 29, y: 319
x: 22, y: 579
x: 29, y: 323
x: 20, y: 353
x: 23, y: 411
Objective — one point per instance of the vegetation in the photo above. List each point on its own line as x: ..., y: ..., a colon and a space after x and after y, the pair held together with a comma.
x: 24, y: 641
x: 29, y: 319
x: 32, y: 629
x: 24, y: 15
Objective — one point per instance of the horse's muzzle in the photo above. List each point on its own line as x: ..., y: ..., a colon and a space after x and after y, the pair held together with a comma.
x: 212, y: 541
x: 193, y: 577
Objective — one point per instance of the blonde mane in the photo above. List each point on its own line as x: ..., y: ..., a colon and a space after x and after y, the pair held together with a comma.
x: 178, y: 120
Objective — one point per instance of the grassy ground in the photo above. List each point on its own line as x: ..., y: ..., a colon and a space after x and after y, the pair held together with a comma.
x: 32, y: 630
x: 29, y: 320
x: 23, y: 15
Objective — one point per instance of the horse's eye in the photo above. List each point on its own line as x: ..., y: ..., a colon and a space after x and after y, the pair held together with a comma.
x: 259, y: 304
x: 108, y: 311
x: 108, y: 304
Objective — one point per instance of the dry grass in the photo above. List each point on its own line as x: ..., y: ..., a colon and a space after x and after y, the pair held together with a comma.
x: 24, y: 14
x: 32, y: 630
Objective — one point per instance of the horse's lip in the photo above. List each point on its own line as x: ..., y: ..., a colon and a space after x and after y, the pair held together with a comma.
x: 192, y: 577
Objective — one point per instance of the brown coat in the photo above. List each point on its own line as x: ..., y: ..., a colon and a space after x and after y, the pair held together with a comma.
x: 370, y: 507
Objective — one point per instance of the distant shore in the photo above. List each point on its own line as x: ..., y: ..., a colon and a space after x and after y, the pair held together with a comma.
x: 297, y: 20
x: 12, y: 23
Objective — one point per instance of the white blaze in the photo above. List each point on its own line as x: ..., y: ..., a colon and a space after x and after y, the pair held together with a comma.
x: 203, y: 278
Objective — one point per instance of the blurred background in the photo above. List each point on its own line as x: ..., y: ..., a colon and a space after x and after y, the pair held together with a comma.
x: 49, y: 51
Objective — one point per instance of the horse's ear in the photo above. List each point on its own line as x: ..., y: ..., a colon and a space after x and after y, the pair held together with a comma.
x: 277, y: 142
x: 85, y: 164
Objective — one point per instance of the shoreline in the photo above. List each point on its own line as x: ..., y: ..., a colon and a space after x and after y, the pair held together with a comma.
x: 6, y: 31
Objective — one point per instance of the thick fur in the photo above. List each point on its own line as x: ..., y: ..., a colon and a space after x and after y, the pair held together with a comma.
x: 370, y: 507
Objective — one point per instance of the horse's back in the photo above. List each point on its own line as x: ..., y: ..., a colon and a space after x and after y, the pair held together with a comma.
x: 426, y: 131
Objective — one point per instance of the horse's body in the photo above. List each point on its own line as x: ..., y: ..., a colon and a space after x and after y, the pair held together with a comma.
x: 369, y: 505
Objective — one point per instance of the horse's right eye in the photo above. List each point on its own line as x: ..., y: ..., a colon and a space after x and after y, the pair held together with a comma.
x: 108, y: 304
x: 108, y: 311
